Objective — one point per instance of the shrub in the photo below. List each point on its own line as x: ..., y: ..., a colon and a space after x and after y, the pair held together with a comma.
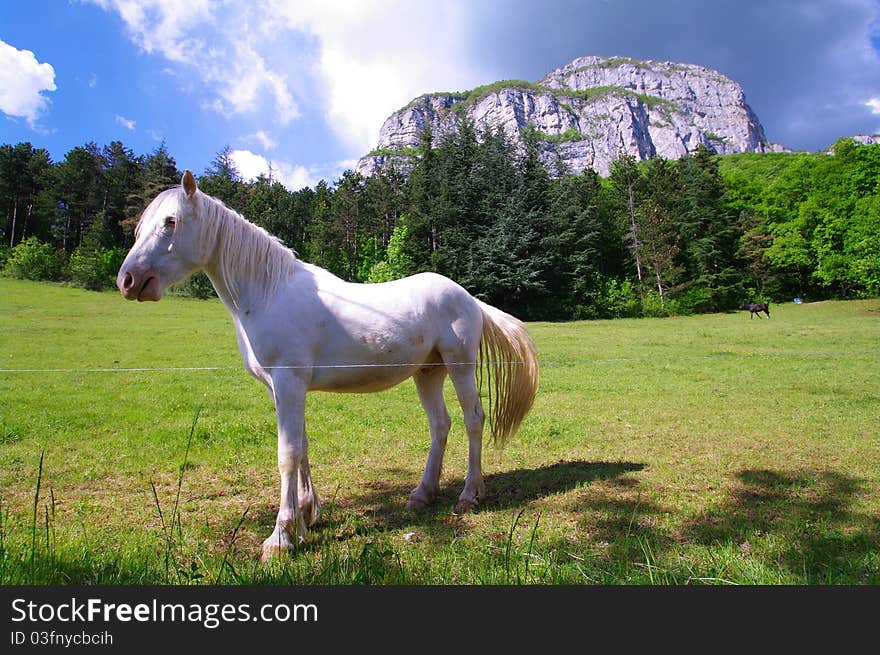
x: 621, y: 300
x: 396, y: 263
x: 381, y: 272
x: 33, y: 260
x: 197, y: 285
x: 695, y: 300
x: 653, y: 308
x: 95, y: 268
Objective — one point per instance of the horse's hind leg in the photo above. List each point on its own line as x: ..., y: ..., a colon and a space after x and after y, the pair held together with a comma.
x: 469, y: 398
x: 309, y: 504
x: 429, y: 383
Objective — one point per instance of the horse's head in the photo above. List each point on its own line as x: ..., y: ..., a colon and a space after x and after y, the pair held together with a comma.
x: 167, y: 246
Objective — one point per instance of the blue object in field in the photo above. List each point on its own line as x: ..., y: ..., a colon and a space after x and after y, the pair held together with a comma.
x: 798, y: 301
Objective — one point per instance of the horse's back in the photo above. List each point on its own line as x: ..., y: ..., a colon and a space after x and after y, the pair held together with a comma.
x: 436, y: 307
x: 352, y: 332
x: 446, y: 303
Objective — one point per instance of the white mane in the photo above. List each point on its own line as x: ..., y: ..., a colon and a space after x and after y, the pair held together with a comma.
x: 249, y: 257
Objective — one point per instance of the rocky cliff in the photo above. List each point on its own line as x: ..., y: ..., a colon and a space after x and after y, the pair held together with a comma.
x: 588, y: 113
x: 866, y: 139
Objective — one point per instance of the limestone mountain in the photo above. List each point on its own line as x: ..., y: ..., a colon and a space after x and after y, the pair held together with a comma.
x: 589, y: 112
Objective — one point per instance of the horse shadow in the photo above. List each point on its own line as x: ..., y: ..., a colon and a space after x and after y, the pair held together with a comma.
x: 809, y: 513
x: 806, y: 521
x: 380, y: 506
x: 763, y: 501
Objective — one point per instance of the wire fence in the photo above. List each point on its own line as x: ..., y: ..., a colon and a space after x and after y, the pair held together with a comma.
x: 542, y: 362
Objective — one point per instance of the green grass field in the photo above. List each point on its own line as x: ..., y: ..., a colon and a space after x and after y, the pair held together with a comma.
x: 707, y: 449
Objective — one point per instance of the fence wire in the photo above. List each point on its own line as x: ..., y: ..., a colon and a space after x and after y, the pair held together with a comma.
x: 543, y: 363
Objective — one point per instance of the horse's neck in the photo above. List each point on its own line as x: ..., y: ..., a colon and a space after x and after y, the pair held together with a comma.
x: 232, y: 302
x: 241, y: 285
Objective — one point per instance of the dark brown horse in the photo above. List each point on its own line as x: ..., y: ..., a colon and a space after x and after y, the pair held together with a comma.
x: 756, y: 308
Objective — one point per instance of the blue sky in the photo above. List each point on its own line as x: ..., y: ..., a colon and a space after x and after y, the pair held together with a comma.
x: 307, y: 84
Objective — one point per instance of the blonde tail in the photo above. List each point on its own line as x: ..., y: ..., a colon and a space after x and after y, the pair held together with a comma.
x: 509, y: 360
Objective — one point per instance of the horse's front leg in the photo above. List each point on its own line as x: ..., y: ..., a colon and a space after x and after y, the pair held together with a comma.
x: 290, y: 526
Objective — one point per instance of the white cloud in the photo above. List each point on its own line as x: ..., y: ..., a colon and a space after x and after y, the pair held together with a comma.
x: 293, y: 176
x: 163, y: 26
x: 297, y: 177
x: 214, y: 43
x: 93, y: 80
x: 127, y: 123
x: 243, y: 81
x: 23, y: 81
x: 252, y: 165
x: 367, y: 78
x: 358, y: 62
x: 354, y: 63
x: 874, y: 105
x: 249, y: 164
x: 263, y: 138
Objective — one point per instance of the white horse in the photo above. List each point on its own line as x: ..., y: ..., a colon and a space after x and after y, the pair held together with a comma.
x: 300, y: 329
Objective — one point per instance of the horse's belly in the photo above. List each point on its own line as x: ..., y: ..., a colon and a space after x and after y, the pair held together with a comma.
x: 360, y: 378
x: 371, y: 358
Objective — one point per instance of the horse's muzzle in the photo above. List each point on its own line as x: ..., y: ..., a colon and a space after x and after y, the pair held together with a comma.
x: 140, y: 287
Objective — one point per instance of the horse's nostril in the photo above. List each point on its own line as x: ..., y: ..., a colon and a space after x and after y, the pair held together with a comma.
x: 128, y: 282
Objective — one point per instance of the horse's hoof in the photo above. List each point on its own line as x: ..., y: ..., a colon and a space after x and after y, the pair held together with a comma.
x: 271, y: 551
x: 279, y: 546
x: 464, y: 506
x: 310, y: 512
x: 414, y: 505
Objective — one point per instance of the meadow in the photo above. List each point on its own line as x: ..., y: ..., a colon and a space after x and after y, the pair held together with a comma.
x: 712, y: 449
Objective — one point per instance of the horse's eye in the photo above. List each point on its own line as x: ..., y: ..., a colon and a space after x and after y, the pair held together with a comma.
x: 170, y: 223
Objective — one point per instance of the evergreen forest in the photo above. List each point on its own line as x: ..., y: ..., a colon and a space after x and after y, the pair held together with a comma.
x: 658, y: 237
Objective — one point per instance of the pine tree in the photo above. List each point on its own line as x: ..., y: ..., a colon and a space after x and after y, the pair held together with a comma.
x: 347, y: 207
x: 626, y: 181
x: 707, y: 231
x: 659, y: 243
x: 421, y: 198
x: 576, y: 242
x: 79, y: 192
x: 157, y: 172
x: 26, y: 180
x: 223, y: 180
x: 121, y: 177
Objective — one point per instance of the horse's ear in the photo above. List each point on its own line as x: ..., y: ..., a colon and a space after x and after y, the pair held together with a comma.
x: 189, y: 184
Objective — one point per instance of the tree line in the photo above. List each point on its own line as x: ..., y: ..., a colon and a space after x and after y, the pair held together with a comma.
x: 659, y: 237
